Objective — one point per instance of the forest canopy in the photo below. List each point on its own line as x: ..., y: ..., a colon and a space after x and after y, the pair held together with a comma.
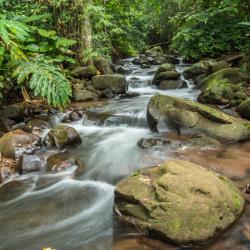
x: 41, y: 39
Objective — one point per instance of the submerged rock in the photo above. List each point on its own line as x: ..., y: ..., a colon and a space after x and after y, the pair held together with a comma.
x: 18, y: 142
x: 151, y: 142
x: 178, y: 201
x: 117, y: 83
x: 179, y: 113
x: 62, y: 136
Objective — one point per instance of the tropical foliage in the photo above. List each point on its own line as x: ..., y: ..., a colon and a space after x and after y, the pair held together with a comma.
x: 39, y: 39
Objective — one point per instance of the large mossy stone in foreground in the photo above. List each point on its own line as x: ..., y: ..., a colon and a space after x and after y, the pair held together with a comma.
x: 180, y: 114
x: 178, y: 201
x: 117, y: 83
x: 62, y: 136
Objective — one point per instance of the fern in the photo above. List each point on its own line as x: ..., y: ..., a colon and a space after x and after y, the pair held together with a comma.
x: 46, y: 80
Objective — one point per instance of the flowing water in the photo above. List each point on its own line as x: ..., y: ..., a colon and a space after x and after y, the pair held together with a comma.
x: 56, y: 210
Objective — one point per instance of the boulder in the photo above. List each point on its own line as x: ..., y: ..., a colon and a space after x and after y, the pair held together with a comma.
x: 220, y: 87
x: 84, y: 95
x: 178, y: 201
x: 85, y: 72
x: 18, y: 142
x: 16, y: 111
x: 217, y: 66
x: 103, y: 65
x: 195, y: 117
x: 36, y: 125
x: 62, y: 136
x: 166, y: 77
x: 117, y: 83
x: 244, y: 109
x: 154, y: 52
x: 198, y: 69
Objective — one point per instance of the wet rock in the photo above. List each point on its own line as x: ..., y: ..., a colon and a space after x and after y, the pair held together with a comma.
x: 171, y: 84
x: 202, y: 142
x: 217, y: 66
x: 108, y: 93
x: 145, y: 66
x: 136, y: 61
x: 7, y: 169
x: 151, y: 142
x: 18, y: 142
x: 36, y: 125
x: 62, y: 162
x: 130, y: 95
x: 195, y: 117
x: 198, y: 69
x: 5, y: 125
x: 220, y: 87
x: 84, y: 95
x: 15, y: 112
x: 62, y: 136
x: 31, y: 163
x: 85, y: 72
x: 244, y: 109
x: 117, y: 83
x: 178, y: 201
x: 75, y: 116
x: 103, y: 65
x: 123, y: 70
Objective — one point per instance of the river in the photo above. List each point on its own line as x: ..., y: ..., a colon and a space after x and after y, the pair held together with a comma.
x: 58, y: 211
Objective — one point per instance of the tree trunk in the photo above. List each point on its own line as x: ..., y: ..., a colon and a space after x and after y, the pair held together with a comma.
x: 86, y: 35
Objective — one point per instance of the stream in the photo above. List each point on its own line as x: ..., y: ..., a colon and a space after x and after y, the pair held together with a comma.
x: 56, y: 210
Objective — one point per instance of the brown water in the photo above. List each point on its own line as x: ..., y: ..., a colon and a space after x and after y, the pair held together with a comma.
x: 67, y: 213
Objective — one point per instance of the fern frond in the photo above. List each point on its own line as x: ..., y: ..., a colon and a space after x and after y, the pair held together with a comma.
x: 46, y: 80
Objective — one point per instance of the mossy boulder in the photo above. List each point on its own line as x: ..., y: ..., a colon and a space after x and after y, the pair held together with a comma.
x: 62, y: 136
x: 18, y: 142
x: 178, y: 201
x: 154, y: 52
x: 184, y: 114
x: 220, y: 87
x: 198, y: 69
x: 166, y: 77
x: 117, y: 83
x: 244, y: 109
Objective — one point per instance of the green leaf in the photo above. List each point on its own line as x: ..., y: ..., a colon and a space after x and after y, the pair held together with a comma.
x: 64, y: 42
x: 32, y: 48
x: 50, y: 34
x: 36, y: 18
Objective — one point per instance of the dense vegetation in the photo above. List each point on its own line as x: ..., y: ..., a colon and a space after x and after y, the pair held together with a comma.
x: 40, y: 39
